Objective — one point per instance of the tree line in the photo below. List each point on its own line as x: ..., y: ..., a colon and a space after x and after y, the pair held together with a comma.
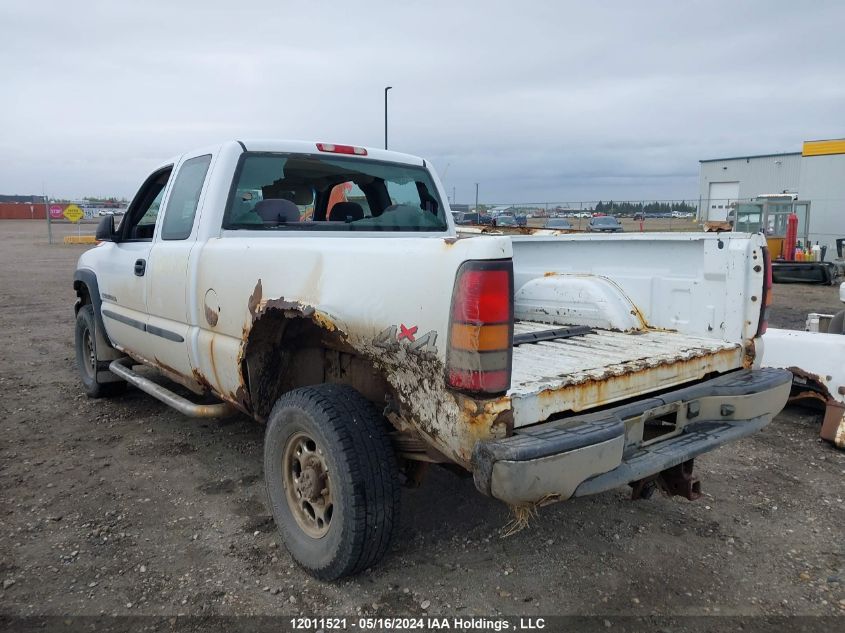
x: 631, y: 208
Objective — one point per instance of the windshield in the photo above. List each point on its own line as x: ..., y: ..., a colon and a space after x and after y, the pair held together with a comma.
x: 606, y: 221
x: 286, y: 192
x: 558, y: 224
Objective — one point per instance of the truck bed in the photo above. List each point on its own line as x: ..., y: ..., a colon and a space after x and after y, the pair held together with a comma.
x: 594, y: 369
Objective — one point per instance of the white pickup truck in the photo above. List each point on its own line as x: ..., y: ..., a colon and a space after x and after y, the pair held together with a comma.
x: 323, y: 290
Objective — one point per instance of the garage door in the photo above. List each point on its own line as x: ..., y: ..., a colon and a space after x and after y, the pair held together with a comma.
x: 721, y: 196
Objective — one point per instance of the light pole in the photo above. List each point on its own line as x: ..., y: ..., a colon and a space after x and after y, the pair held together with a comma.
x: 385, y: 115
x: 476, y: 200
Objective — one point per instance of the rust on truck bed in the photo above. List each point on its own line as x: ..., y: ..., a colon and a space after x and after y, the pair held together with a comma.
x: 596, y: 369
x: 451, y: 422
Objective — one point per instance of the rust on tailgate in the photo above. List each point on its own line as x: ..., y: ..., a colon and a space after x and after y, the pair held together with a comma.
x: 606, y: 367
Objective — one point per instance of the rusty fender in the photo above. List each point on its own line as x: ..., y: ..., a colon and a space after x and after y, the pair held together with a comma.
x: 806, y: 384
x: 451, y: 423
x: 258, y: 307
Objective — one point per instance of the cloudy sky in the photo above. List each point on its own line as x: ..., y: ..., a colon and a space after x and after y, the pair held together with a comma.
x: 536, y: 101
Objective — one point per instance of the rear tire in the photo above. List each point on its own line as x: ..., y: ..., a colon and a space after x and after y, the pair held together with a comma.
x: 85, y: 340
x: 837, y: 323
x: 332, y: 479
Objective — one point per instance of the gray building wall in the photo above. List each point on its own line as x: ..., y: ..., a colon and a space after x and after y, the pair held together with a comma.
x: 756, y: 175
x: 822, y: 182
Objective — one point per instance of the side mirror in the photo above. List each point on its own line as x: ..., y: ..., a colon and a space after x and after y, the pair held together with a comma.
x: 105, y: 229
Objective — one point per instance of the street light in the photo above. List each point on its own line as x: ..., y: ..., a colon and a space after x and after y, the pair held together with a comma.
x: 385, y: 115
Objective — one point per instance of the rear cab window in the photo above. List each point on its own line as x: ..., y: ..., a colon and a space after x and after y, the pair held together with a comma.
x: 304, y: 192
x: 184, y: 198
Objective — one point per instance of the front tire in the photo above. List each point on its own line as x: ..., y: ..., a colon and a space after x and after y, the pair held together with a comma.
x: 85, y: 340
x: 332, y: 479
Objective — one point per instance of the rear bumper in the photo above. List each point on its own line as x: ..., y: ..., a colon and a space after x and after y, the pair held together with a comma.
x: 592, y: 453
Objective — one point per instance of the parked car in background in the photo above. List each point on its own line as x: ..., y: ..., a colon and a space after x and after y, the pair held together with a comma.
x: 604, y: 224
x: 504, y: 220
x: 558, y: 224
x: 639, y: 216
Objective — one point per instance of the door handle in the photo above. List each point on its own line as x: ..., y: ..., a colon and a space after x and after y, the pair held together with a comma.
x: 140, y: 267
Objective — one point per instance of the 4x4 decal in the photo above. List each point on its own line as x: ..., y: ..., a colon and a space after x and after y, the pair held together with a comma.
x: 391, y: 338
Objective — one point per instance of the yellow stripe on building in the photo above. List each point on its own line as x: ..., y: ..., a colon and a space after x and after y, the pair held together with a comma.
x: 824, y: 148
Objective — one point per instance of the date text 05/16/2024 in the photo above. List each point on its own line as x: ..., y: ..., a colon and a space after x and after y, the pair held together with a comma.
x: 417, y: 624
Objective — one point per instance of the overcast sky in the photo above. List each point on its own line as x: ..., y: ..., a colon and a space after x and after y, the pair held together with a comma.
x: 536, y: 101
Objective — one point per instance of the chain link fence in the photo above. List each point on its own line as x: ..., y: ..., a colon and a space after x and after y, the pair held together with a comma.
x: 76, y: 222
x: 821, y: 221
x: 645, y: 215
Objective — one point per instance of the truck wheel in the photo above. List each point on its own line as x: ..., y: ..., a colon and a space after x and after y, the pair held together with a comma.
x: 332, y: 479
x: 86, y: 357
x: 837, y: 323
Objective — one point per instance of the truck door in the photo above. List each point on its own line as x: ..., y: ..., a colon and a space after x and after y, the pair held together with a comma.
x: 169, y: 278
x: 123, y: 283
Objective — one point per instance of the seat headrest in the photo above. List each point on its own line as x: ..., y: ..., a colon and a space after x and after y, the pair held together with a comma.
x: 346, y: 212
x: 302, y: 196
x: 276, y: 211
x: 298, y: 195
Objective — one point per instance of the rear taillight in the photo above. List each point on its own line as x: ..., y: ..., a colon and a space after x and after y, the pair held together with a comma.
x: 767, y: 293
x: 481, y: 330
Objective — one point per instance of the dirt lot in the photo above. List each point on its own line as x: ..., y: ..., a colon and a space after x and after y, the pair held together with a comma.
x: 125, y: 506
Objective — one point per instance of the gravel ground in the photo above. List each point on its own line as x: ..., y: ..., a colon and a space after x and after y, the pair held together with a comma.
x: 126, y: 507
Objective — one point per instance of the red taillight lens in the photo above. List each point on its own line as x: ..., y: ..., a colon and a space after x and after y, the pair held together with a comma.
x: 481, y: 332
x: 341, y: 149
x: 767, y: 293
x: 480, y: 381
x: 480, y: 297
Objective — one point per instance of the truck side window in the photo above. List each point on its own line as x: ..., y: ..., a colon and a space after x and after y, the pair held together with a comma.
x: 139, y: 222
x: 148, y: 221
x: 184, y: 198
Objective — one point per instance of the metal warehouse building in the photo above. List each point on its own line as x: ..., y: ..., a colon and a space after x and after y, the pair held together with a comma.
x: 816, y: 175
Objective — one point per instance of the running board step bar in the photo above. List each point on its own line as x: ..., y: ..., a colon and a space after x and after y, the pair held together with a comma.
x: 122, y: 368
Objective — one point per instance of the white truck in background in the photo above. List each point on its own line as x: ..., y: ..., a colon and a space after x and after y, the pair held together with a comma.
x: 323, y: 290
x: 816, y: 359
